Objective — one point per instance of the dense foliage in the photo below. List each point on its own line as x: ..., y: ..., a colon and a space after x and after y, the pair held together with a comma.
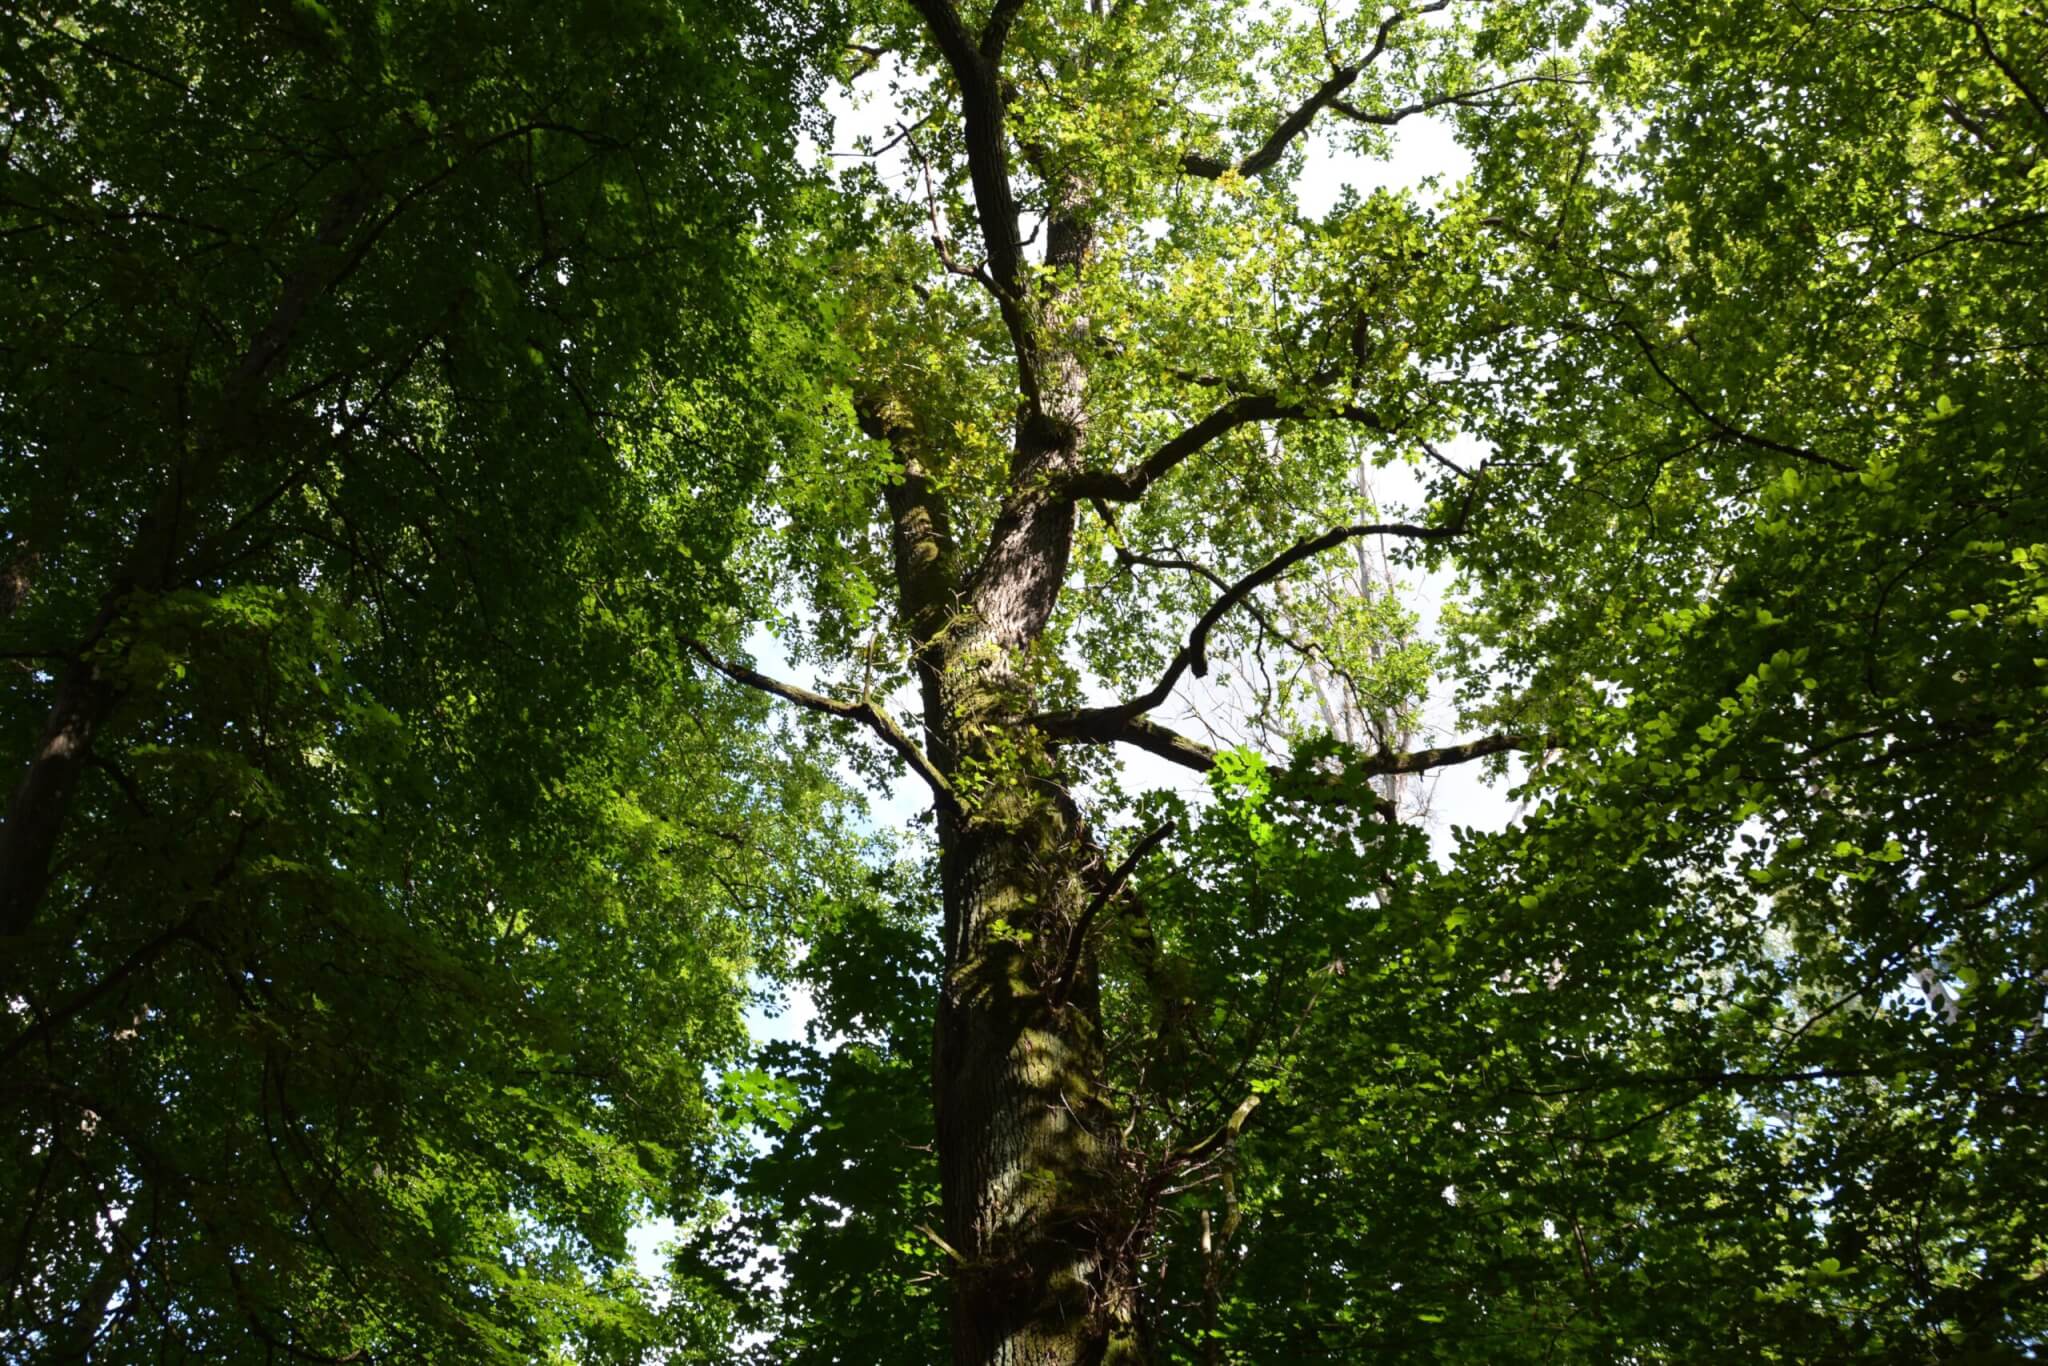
x: 1732, y: 1042
x: 378, y: 398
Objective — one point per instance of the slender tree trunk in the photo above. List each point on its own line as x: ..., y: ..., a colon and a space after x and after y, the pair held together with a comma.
x: 18, y: 578
x: 36, y: 811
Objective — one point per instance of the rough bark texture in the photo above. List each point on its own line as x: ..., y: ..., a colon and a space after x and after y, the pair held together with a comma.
x: 1046, y: 1266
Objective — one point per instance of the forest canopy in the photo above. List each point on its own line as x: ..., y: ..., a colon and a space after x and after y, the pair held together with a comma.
x: 491, y: 493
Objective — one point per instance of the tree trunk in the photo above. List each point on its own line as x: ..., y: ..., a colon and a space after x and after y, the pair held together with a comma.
x: 36, y: 811
x: 1020, y: 1126
x: 1037, y: 1213
x: 1030, y: 1164
x: 1026, y: 1144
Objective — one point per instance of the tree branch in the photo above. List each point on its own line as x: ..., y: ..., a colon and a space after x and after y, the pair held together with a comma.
x: 864, y: 711
x: 996, y: 31
x: 1128, y: 485
x: 1142, y: 732
x: 1297, y: 121
x: 1070, y: 963
x: 1444, y: 756
x: 1194, y: 657
x: 1127, y: 557
x: 988, y: 166
x: 1225, y: 1134
x: 1726, y: 429
x: 1387, y: 118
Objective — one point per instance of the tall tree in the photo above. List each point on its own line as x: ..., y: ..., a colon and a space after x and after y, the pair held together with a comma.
x: 1732, y: 1043
x: 378, y: 395
x: 1141, y: 324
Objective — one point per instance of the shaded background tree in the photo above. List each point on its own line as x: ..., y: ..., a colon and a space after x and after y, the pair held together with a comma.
x: 380, y: 393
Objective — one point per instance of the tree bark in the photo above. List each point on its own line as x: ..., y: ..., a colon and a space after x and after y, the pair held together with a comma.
x: 1034, y: 1204
x: 1036, y: 1209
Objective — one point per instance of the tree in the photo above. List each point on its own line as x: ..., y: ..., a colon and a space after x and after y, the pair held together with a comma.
x: 1008, y: 392
x: 379, y: 393
x: 1731, y: 1044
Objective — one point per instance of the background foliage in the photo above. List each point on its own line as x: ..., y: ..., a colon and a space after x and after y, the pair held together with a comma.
x: 379, y: 397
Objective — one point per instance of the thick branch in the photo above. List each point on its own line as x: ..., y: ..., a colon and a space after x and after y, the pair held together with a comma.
x: 920, y: 533
x: 1142, y: 732
x: 996, y: 31
x: 1444, y: 756
x: 1127, y: 485
x: 864, y: 711
x: 988, y: 165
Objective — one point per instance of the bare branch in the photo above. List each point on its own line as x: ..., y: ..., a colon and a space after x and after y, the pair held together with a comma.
x: 863, y: 711
x: 1318, y: 786
x: 1445, y: 756
x: 870, y: 57
x: 1453, y: 466
x: 1225, y: 1135
x: 1144, y: 733
x: 940, y: 244
x: 1127, y: 557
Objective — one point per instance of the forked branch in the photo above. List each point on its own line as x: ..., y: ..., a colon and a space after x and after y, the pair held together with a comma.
x: 863, y: 711
x: 996, y: 31
x: 1269, y: 152
x: 988, y: 166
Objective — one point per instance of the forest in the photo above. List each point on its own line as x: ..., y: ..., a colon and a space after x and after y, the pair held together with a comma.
x: 1023, y: 682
